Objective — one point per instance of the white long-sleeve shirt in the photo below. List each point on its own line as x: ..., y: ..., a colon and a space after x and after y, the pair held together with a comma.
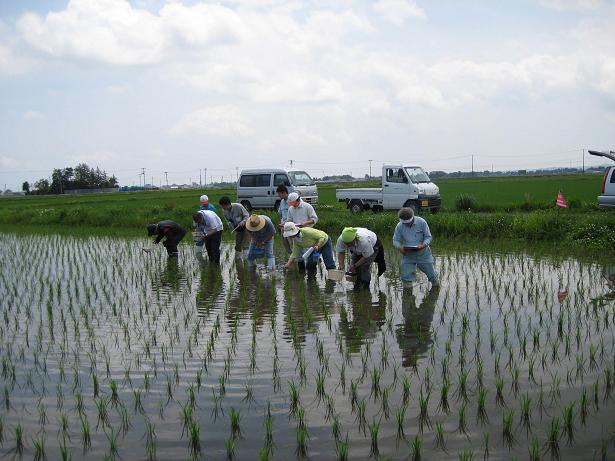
x: 364, y: 244
x: 301, y: 213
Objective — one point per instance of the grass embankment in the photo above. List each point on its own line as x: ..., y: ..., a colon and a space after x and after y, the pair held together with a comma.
x: 582, y: 225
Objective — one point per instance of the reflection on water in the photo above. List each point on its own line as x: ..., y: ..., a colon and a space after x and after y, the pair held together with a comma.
x: 144, y: 351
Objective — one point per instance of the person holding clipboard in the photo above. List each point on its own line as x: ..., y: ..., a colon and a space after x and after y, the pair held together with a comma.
x: 412, y: 238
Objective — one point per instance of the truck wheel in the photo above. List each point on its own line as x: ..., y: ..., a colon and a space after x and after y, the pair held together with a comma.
x: 355, y: 206
x: 247, y: 205
x: 377, y: 209
x: 434, y: 210
x: 410, y: 204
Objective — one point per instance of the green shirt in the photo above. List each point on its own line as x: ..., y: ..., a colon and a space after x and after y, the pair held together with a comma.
x: 308, y: 237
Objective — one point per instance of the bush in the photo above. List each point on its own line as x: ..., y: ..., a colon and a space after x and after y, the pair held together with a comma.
x: 465, y: 202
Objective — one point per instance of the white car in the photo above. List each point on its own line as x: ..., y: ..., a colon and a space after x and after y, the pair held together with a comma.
x: 607, y: 199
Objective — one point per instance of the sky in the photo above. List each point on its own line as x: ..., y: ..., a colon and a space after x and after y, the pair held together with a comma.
x: 183, y: 86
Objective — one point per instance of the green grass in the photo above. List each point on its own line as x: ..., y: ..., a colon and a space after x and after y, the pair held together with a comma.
x: 505, y: 203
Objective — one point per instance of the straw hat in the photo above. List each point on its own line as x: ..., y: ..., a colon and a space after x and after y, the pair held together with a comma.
x: 255, y: 223
x: 290, y: 229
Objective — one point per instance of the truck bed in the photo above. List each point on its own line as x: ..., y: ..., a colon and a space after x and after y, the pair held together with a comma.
x: 369, y: 193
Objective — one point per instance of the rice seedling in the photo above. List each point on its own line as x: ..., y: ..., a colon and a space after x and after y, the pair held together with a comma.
x: 534, y: 450
x: 466, y: 455
x: 342, y: 449
x: 40, y: 454
x: 230, y: 448
x: 568, y: 419
x: 235, y: 423
x: 424, y: 411
x: 194, y: 439
x: 508, y: 437
x: 553, y: 437
x: 302, y: 442
x: 462, y: 424
x: 361, y: 419
x: 416, y: 446
x: 440, y: 439
x: 374, y: 431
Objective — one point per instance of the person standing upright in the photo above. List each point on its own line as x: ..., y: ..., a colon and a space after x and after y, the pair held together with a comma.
x: 282, y: 192
x: 412, y: 238
x: 299, y: 212
x: 205, y: 205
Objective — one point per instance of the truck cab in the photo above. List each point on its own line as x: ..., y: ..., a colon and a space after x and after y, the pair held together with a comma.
x: 403, y: 184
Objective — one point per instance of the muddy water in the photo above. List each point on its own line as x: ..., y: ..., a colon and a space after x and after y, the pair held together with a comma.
x: 99, y: 337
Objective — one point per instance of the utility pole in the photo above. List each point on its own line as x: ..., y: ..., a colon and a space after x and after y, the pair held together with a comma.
x: 472, y: 165
x: 200, y: 179
x: 143, y: 173
x: 237, y: 173
x: 370, y: 169
x: 205, y: 177
x: 583, y: 161
x: 166, y: 175
x: 291, y: 163
x: 152, y: 183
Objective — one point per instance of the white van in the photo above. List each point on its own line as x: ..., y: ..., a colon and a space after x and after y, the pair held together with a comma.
x: 257, y: 188
x: 607, y: 199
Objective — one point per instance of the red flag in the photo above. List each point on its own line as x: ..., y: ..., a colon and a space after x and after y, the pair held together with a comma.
x: 561, y: 200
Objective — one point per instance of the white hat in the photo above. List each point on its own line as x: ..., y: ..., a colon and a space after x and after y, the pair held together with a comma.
x: 290, y: 229
x: 204, y: 198
x: 292, y: 197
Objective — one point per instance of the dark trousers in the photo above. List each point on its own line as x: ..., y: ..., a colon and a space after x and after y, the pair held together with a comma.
x: 365, y: 269
x: 212, y: 245
x: 171, y: 242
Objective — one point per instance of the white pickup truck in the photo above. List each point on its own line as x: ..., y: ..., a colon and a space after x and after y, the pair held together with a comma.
x: 607, y: 199
x: 402, y: 186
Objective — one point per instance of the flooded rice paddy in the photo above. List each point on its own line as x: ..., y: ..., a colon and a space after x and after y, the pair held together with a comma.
x: 108, y: 352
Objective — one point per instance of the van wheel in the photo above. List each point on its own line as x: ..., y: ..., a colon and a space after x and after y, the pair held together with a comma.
x: 276, y: 206
x: 247, y: 205
x: 410, y: 204
x: 355, y: 206
x: 434, y: 210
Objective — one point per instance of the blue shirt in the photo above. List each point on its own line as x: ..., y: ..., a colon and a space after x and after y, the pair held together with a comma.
x: 209, y: 207
x: 413, y: 235
x: 283, y: 209
x: 265, y: 233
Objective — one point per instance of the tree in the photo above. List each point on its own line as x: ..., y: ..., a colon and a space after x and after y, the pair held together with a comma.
x: 42, y: 186
x: 26, y: 187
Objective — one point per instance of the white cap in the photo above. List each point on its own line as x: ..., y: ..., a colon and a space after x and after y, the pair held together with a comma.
x: 292, y: 197
x: 290, y: 229
x: 204, y: 198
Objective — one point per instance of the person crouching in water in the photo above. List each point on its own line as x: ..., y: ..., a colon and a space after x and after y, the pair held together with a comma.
x: 172, y: 232
x: 365, y: 249
x: 308, y: 237
x: 412, y: 238
x: 262, y: 232
x: 210, y: 226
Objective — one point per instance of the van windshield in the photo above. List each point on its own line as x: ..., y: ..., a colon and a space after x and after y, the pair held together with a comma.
x: 416, y: 174
x: 300, y: 178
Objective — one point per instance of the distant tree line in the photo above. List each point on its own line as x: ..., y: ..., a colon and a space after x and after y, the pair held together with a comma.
x: 80, y: 177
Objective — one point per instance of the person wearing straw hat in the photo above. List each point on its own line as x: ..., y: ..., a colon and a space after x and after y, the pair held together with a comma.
x: 205, y: 205
x: 172, y: 232
x: 236, y: 216
x: 262, y: 231
x: 308, y: 237
x: 412, y: 238
x: 282, y: 192
x: 210, y: 226
x: 365, y: 248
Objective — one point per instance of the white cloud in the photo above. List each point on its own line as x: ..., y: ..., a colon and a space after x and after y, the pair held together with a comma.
x: 225, y: 121
x: 8, y: 162
x: 398, y: 11
x: 34, y: 115
x: 562, y: 5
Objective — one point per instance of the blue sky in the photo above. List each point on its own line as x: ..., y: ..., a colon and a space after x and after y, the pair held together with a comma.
x: 181, y: 86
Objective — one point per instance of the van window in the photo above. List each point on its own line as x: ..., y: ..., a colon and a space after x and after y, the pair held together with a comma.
x: 300, y: 178
x: 280, y: 179
x: 612, y: 175
x: 396, y: 175
x: 255, y: 180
